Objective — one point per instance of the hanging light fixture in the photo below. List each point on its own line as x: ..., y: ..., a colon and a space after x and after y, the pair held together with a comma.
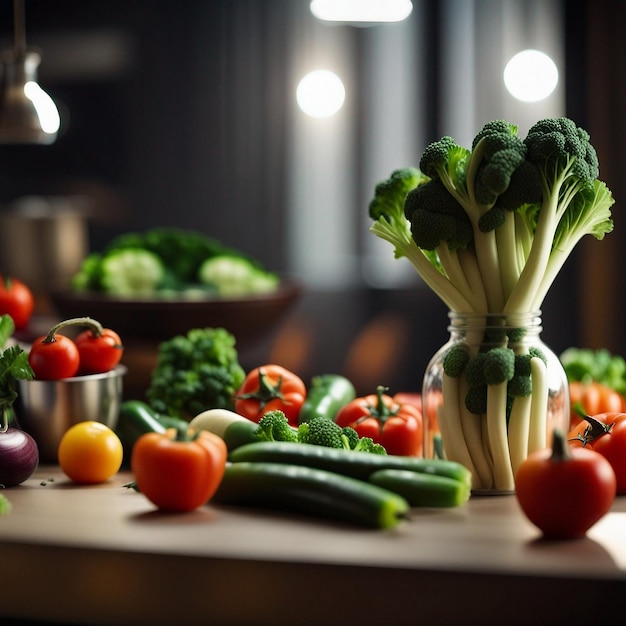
x: 27, y: 113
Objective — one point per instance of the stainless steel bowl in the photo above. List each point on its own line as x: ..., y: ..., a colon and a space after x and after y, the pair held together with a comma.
x: 46, y: 409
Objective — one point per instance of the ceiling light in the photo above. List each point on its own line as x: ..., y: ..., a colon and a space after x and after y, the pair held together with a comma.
x: 361, y: 11
x: 531, y: 75
x: 27, y: 113
x: 320, y: 93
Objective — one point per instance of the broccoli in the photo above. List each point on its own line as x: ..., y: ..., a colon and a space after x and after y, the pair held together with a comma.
x: 131, y: 272
x: 476, y: 400
x: 455, y: 360
x: 232, y: 276
x: 195, y: 372
x: 584, y: 364
x: 274, y: 426
x: 498, y: 365
x: 322, y: 431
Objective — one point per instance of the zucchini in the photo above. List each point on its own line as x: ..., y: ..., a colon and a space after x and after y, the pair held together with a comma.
x: 300, y: 489
x: 236, y: 430
x: 359, y: 465
x: 423, y: 490
x: 134, y: 419
x: 327, y: 394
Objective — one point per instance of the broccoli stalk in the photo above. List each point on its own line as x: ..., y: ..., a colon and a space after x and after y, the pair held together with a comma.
x: 489, y: 229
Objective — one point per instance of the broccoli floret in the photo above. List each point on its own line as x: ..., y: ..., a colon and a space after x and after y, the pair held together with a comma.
x: 446, y: 160
x: 537, y: 352
x: 498, y: 365
x: 274, y: 426
x: 89, y: 275
x: 455, y: 360
x: 321, y: 431
x: 491, y: 219
x: 233, y: 276
x: 520, y: 386
x: 474, y: 371
x: 476, y: 400
x: 131, y: 272
x: 195, y: 372
x: 367, y: 444
x: 350, y: 437
x: 436, y: 217
x: 524, y: 187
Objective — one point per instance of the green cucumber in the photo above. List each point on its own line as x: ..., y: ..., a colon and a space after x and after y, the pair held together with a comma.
x: 359, y: 465
x: 423, y: 490
x: 327, y: 394
x: 300, y: 489
x: 134, y: 419
x: 239, y: 434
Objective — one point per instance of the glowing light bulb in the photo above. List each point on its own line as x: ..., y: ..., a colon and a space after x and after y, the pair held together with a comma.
x: 320, y: 93
x: 531, y: 75
x: 356, y: 11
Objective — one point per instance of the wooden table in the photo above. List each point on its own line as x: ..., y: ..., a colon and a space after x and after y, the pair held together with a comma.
x: 104, y: 555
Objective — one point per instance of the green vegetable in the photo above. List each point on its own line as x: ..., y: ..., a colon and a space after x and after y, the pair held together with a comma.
x: 296, y: 488
x: 423, y: 490
x: 583, y: 364
x: 233, y: 428
x: 321, y: 431
x: 274, y: 426
x: 135, y: 418
x: 359, y: 465
x: 195, y: 372
x: 5, y: 505
x: 488, y: 229
x: 14, y: 366
x: 326, y: 395
x: 233, y: 276
x: 170, y: 262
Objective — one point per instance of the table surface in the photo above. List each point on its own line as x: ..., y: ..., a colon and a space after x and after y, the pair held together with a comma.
x: 103, y: 555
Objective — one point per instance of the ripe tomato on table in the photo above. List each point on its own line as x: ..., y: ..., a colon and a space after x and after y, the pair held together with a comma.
x: 178, y: 471
x: 16, y: 300
x: 592, y: 398
x: 271, y: 388
x: 398, y: 427
x: 564, y: 490
x: 98, y: 351
x: 605, y: 433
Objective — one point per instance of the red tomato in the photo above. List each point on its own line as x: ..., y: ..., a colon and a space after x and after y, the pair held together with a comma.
x: 606, y: 434
x: 53, y: 358
x: 178, y: 471
x: 271, y: 388
x: 98, y: 353
x: 16, y: 300
x: 592, y: 398
x: 397, y: 427
x: 565, y: 491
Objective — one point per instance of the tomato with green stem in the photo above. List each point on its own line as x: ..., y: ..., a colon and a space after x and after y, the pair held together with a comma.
x: 564, y: 491
x: 100, y: 350
x: 16, y: 300
x: 271, y: 388
x: 605, y: 433
x: 395, y: 426
x: 178, y: 470
x: 53, y: 357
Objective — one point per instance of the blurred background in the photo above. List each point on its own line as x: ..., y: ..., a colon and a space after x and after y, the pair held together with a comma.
x: 192, y: 114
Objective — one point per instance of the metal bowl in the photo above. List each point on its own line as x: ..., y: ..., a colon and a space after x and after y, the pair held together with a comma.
x: 46, y: 409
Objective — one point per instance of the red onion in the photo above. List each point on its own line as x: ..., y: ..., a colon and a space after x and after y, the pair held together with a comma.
x: 19, y: 457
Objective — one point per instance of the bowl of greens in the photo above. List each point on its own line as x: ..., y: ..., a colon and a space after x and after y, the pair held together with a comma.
x: 166, y: 281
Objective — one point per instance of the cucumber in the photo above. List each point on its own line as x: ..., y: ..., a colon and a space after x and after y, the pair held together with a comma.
x: 423, y: 490
x: 359, y: 465
x: 300, y: 489
x: 233, y: 428
x: 327, y: 394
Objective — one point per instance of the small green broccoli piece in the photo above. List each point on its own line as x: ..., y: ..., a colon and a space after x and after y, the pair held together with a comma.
x: 538, y: 352
x: 455, y: 360
x: 498, y: 365
x: 350, y: 437
x: 446, y: 160
x: 274, y: 426
x: 491, y: 219
x: 195, y: 372
x: 89, y: 274
x: 131, y: 272
x: 233, y: 276
x: 476, y: 400
x: 524, y: 187
x: 321, y: 431
x: 436, y: 217
x: 474, y: 370
x: 367, y: 444
x: 520, y: 386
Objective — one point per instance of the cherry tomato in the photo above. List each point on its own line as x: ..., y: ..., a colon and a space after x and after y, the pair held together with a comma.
x: 397, y: 427
x: 54, y: 357
x: 271, y: 388
x: 90, y: 453
x: 592, y: 398
x: 16, y: 300
x: 605, y: 433
x: 564, y: 491
x: 98, y: 353
x: 178, y: 471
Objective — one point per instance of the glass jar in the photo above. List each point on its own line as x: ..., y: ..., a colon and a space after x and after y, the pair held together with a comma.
x: 492, y: 394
